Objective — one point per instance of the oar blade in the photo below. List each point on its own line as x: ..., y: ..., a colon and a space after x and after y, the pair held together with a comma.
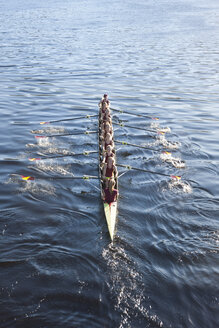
x: 27, y: 178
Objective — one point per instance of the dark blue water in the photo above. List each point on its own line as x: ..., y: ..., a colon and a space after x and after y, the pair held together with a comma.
x: 57, y: 265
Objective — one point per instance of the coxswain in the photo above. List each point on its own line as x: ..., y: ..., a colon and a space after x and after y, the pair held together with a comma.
x: 104, y: 103
x: 110, y: 194
x: 109, y: 171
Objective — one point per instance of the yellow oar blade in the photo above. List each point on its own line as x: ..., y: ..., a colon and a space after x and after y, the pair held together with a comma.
x: 26, y: 178
x: 175, y: 177
x: 34, y: 159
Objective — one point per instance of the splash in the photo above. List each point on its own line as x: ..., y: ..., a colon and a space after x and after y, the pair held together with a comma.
x: 126, y: 283
x: 180, y: 185
x: 161, y: 140
x: 44, y: 142
x: 12, y: 179
x: 39, y: 188
x: 32, y: 187
x: 156, y: 126
x: 31, y: 145
x: 56, y: 151
x: 49, y: 130
x: 168, y: 158
x: 54, y: 168
x: 47, y: 147
x: 65, y: 152
x: 164, y: 130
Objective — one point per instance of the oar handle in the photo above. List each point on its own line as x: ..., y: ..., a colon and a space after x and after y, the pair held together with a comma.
x: 134, y: 127
x: 66, y: 134
x: 129, y: 167
x: 130, y: 144
x: 84, y: 177
x: 70, y: 119
x: 85, y: 153
x: 138, y: 115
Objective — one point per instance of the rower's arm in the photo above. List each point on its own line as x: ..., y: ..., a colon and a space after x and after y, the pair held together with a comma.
x: 104, y: 169
x: 104, y: 157
x: 103, y: 194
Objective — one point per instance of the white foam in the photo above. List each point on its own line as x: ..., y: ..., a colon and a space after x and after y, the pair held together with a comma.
x: 49, y: 130
x: 37, y: 188
x: 180, y: 185
x: 176, y: 162
x: 54, y: 168
x: 161, y: 140
x: 127, y: 284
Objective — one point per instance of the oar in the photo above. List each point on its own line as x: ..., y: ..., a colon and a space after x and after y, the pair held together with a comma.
x: 55, y: 121
x: 66, y: 134
x: 85, y: 153
x: 134, y: 145
x: 135, y: 127
x: 84, y: 177
x: 148, y: 171
x: 69, y: 119
x: 138, y: 115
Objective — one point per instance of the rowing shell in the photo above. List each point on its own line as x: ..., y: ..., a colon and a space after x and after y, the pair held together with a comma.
x: 110, y: 210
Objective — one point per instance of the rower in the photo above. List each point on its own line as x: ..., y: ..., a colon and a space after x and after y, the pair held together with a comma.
x: 109, y: 171
x: 108, y: 140
x: 107, y: 119
x: 105, y: 114
x: 108, y: 153
x: 110, y: 194
x: 107, y: 128
x: 103, y: 124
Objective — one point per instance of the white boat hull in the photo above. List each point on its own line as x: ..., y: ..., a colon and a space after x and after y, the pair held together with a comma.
x: 111, y: 214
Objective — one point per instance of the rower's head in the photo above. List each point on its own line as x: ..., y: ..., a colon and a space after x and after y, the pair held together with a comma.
x: 109, y: 149
x: 112, y: 184
x: 107, y: 127
x: 105, y: 96
x: 108, y: 119
x: 108, y: 136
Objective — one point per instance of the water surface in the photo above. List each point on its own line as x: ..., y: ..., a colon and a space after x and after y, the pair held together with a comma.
x: 58, y: 267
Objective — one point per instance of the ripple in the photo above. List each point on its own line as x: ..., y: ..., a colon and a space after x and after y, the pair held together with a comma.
x: 42, y: 166
x: 39, y: 188
x: 57, y: 59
